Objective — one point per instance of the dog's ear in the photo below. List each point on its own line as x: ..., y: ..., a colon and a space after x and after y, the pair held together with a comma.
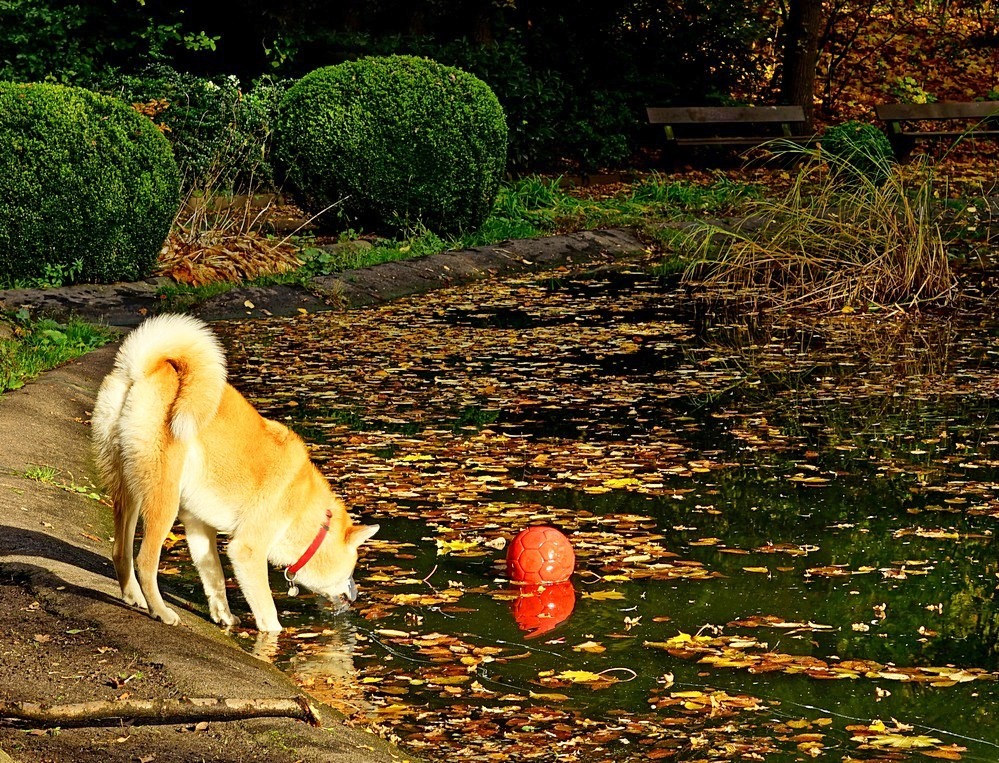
x: 357, y: 534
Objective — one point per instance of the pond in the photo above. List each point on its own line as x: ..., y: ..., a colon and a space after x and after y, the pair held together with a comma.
x: 783, y: 525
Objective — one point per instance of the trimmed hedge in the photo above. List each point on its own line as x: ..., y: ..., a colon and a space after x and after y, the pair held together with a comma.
x: 88, y: 187
x: 392, y: 142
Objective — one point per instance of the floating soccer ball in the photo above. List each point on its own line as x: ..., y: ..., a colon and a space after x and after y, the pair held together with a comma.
x: 538, y: 609
x: 540, y: 555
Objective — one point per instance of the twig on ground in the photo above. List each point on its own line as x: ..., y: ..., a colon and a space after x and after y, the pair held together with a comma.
x: 160, y: 711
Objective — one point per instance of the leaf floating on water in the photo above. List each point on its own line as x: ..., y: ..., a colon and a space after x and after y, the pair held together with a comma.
x: 580, y: 676
x: 809, y: 480
x: 550, y: 696
x: 458, y: 546
x: 899, y: 742
x: 610, y: 595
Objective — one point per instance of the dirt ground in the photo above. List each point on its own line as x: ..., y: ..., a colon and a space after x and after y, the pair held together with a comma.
x: 65, y: 636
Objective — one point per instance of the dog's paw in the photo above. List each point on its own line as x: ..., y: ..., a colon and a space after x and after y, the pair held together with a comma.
x: 223, y: 616
x: 134, y: 598
x: 168, y: 616
x: 269, y: 627
x: 139, y: 602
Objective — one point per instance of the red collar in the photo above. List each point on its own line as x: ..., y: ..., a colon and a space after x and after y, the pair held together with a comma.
x: 312, y: 549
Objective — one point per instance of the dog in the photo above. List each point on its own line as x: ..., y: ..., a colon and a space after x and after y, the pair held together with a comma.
x: 172, y: 438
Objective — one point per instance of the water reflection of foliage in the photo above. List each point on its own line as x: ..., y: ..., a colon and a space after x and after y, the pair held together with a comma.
x: 882, y: 345
x: 861, y: 388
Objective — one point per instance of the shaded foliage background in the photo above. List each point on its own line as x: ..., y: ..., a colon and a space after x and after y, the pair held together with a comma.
x: 574, y: 85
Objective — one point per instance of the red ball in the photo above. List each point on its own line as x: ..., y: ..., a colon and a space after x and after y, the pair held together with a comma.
x: 540, y: 555
x: 538, y: 609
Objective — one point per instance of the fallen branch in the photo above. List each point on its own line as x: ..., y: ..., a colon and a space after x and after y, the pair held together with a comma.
x: 165, y: 711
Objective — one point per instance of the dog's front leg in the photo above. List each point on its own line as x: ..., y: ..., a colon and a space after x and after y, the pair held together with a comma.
x: 249, y: 562
x: 202, y: 540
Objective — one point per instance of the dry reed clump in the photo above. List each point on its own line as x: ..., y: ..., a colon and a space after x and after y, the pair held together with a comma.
x: 221, y: 242
x: 837, y: 239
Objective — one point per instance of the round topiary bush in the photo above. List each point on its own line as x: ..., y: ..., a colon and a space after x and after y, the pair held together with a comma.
x: 858, y: 150
x: 88, y: 187
x: 393, y: 141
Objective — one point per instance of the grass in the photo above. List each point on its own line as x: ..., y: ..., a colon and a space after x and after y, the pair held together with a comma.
x: 43, y: 473
x: 527, y: 208
x: 839, y: 239
x: 31, y: 347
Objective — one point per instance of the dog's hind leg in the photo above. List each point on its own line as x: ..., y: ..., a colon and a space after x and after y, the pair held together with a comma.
x: 126, y: 515
x: 159, y: 510
x: 202, y: 540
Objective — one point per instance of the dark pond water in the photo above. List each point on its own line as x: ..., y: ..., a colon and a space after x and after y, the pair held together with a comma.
x: 812, y: 502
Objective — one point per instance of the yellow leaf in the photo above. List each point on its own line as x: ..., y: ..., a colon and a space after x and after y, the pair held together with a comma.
x: 553, y: 696
x: 450, y: 680
x: 677, y: 642
x: 445, y: 547
x: 621, y: 482
x: 582, y: 676
x: 899, y: 742
x: 590, y: 646
x: 604, y: 595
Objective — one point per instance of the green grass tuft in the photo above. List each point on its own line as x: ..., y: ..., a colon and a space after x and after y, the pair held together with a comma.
x: 31, y: 347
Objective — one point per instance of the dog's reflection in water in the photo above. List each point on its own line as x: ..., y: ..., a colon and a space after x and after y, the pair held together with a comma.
x: 323, y: 666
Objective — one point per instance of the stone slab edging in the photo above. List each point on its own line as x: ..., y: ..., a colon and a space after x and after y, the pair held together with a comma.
x: 128, y: 304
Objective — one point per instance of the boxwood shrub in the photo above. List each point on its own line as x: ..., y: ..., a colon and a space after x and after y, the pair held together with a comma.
x: 393, y: 141
x: 88, y: 187
x: 856, y: 150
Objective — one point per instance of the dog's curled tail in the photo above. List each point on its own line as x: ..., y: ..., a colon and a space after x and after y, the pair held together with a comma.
x: 194, y: 353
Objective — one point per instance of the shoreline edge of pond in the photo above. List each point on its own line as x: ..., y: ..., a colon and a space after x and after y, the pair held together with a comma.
x: 127, y: 304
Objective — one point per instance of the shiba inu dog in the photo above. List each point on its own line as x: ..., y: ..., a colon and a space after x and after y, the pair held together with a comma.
x: 172, y: 438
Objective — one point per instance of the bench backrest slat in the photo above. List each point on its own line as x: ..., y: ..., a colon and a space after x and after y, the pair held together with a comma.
x: 890, y: 112
x: 718, y: 114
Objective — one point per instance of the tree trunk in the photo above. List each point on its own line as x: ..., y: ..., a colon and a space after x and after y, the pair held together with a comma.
x: 166, y: 711
x: 801, y: 54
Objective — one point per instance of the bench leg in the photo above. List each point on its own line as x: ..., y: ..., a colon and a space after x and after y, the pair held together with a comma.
x: 901, y: 144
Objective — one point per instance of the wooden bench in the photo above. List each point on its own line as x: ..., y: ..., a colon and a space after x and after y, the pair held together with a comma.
x: 730, y: 125
x: 980, y: 119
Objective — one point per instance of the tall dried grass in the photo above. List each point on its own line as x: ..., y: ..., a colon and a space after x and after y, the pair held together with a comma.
x: 838, y: 238
x: 220, y: 238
